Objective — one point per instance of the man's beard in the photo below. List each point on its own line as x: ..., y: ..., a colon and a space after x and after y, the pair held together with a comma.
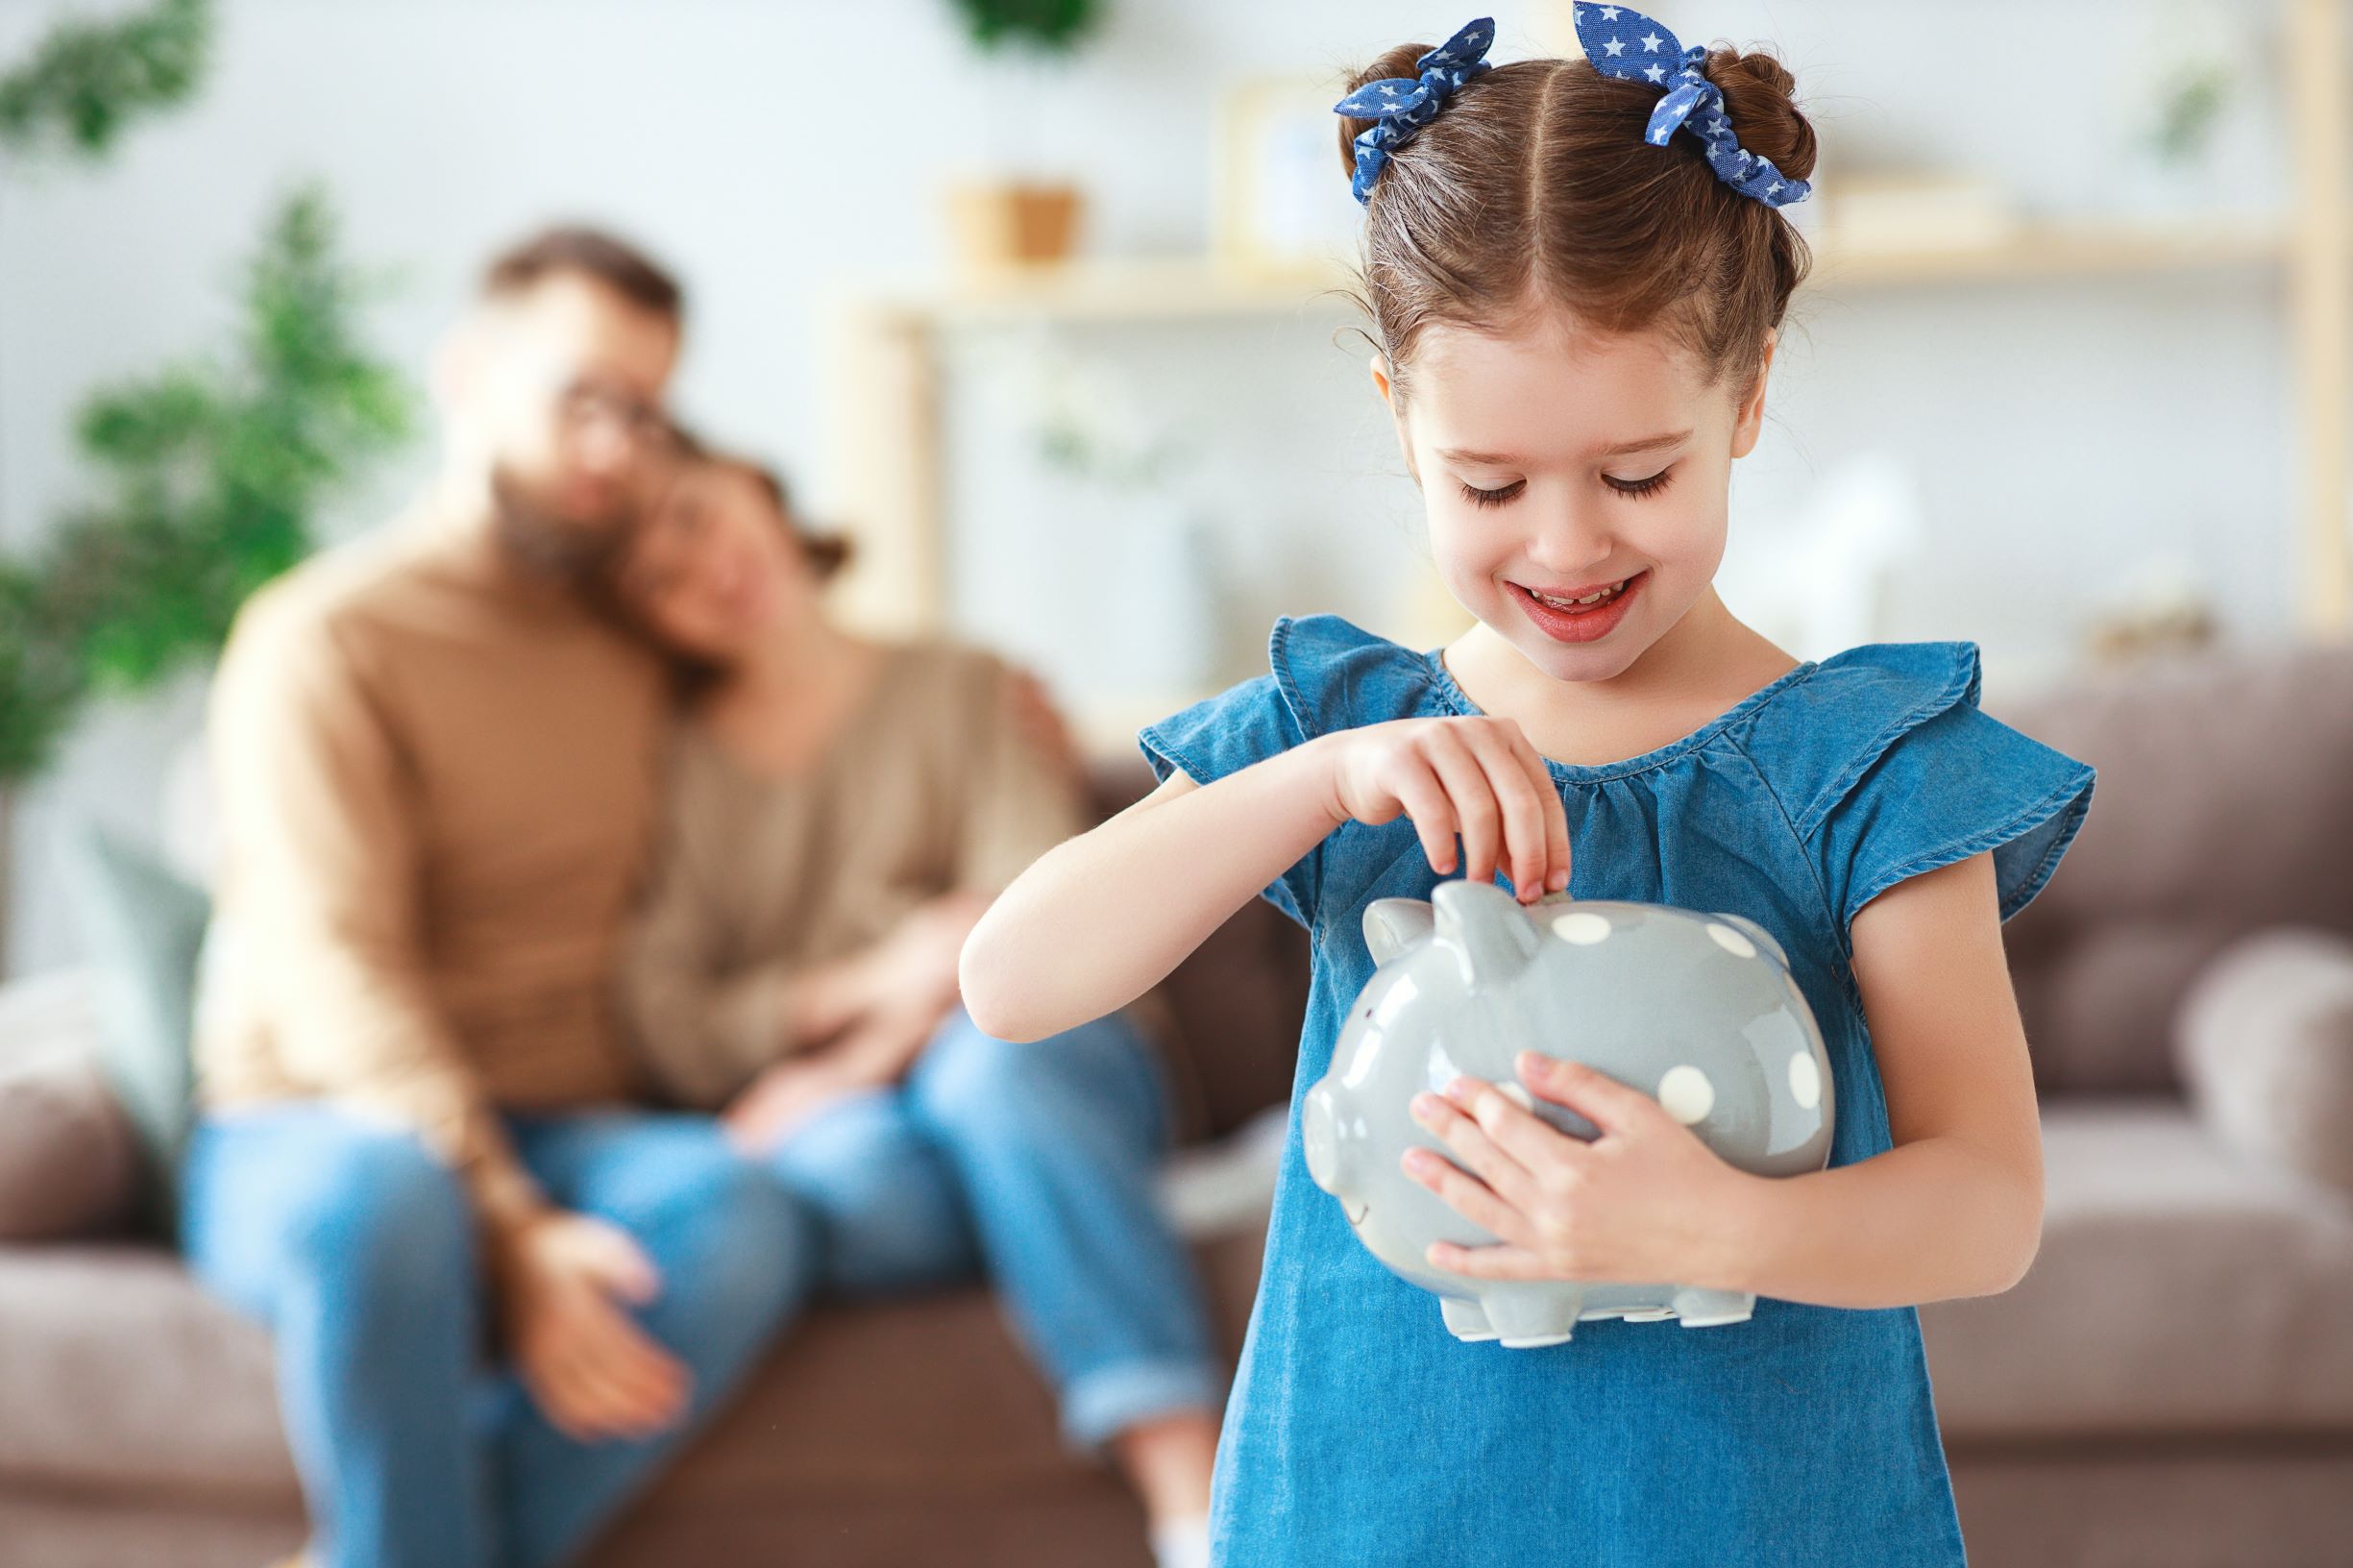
x: 546, y: 543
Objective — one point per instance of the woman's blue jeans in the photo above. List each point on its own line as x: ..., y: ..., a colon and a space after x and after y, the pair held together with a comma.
x: 1034, y: 1162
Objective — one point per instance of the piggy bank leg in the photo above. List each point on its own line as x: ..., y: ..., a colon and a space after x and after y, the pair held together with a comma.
x: 1704, y: 1308
x: 1465, y: 1320
x: 1529, y: 1319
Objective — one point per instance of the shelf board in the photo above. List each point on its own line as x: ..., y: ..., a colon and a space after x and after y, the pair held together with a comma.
x: 2057, y: 250
x: 1144, y: 289
x: 1176, y: 288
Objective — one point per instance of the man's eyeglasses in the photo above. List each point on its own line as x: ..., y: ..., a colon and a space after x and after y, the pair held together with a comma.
x: 601, y: 403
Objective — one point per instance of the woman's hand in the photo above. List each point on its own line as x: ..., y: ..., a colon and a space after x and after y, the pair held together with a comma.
x: 1475, y: 776
x: 877, y: 1048
x: 912, y: 966
x: 566, y: 1282
x: 1644, y: 1202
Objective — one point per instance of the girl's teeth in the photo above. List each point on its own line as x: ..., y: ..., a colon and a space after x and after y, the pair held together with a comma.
x: 1594, y: 598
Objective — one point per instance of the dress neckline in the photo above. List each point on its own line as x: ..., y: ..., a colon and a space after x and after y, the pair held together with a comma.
x: 1572, y: 772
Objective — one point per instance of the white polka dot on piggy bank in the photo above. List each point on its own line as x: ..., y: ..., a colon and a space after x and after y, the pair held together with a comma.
x: 1697, y: 1010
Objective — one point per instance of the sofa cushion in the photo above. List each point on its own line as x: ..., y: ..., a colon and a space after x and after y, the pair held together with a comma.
x: 69, y: 1162
x: 2226, y: 780
x: 68, y: 1165
x: 144, y: 927
x: 2178, y: 1289
x: 118, y: 1373
x: 2266, y: 1045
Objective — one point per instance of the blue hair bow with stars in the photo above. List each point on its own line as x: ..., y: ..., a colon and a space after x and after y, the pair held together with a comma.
x: 1398, y: 106
x: 1622, y: 42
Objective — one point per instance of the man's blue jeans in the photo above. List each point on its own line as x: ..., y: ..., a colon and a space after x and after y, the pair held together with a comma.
x: 1033, y: 1162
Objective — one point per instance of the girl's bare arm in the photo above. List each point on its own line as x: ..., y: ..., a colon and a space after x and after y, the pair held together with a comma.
x: 1100, y: 919
x: 1955, y: 1207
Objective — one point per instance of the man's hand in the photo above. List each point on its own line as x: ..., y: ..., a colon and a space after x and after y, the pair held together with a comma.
x: 566, y: 1284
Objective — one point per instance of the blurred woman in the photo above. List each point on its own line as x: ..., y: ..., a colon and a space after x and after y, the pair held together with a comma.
x: 841, y: 812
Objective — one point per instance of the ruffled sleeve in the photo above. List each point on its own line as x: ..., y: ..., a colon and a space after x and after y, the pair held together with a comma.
x: 1324, y: 673
x: 1890, y: 769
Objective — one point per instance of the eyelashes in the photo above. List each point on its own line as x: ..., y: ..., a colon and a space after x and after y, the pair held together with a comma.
x: 1493, y: 498
x: 1634, y: 488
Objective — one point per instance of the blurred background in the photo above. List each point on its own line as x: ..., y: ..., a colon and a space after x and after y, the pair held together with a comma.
x: 1050, y: 318
x: 2065, y: 388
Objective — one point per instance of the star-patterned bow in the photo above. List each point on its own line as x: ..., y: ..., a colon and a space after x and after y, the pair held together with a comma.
x: 1398, y: 106
x: 1622, y: 42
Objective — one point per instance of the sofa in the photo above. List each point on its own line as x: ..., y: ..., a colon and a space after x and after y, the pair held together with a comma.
x: 2169, y: 1387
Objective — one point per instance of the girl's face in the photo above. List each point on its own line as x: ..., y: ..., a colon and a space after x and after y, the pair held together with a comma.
x: 712, y: 566
x: 1556, y: 462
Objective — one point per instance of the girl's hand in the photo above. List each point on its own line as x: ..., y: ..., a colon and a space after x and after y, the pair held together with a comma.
x: 1644, y: 1202
x: 1476, y: 775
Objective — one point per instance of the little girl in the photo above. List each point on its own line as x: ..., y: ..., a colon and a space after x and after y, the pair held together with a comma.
x: 1576, y: 309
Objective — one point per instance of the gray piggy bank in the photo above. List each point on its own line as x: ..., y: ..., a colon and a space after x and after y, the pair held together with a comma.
x: 1697, y: 1010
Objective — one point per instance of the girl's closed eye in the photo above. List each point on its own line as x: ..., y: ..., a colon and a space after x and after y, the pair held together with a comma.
x: 1636, y: 488
x: 1493, y: 498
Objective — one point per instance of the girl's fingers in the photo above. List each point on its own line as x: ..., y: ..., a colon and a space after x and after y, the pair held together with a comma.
x: 1534, y: 1143
x: 1523, y: 813
x: 1592, y: 1093
x: 1432, y: 817
x: 1473, y: 1199
x: 1554, y: 810
x: 1497, y: 1262
x: 1473, y: 799
x: 1469, y: 1141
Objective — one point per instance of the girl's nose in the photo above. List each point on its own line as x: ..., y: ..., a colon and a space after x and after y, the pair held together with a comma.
x: 1568, y: 539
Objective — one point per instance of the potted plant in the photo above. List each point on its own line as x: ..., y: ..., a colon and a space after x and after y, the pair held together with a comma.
x: 1018, y: 211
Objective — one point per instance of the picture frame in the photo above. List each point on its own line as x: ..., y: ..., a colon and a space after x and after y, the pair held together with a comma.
x: 1282, y: 206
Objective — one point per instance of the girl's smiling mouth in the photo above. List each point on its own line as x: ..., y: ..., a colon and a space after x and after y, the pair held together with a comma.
x: 1582, y: 614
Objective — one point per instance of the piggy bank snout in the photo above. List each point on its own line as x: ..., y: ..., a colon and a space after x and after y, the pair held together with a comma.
x: 1319, y: 1131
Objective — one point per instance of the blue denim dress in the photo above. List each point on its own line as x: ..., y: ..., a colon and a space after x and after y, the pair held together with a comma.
x: 1360, y: 1431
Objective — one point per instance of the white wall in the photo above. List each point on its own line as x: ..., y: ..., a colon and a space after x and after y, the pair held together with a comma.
x: 783, y: 154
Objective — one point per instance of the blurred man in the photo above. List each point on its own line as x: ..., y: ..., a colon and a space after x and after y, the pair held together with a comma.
x: 437, y: 777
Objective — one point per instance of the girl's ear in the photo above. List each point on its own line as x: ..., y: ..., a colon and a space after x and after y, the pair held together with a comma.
x: 1751, y: 422
x: 1388, y: 389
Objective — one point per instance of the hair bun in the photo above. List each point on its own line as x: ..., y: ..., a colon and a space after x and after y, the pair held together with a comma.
x: 1759, y: 98
x: 1402, y: 60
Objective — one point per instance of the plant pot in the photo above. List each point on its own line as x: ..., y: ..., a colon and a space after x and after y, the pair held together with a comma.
x: 1003, y: 224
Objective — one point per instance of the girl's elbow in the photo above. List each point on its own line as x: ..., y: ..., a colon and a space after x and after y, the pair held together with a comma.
x: 2025, y: 1239
x: 993, y: 1007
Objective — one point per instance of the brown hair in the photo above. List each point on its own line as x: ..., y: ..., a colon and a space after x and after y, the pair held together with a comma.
x: 690, y: 674
x: 1537, y: 182
x: 593, y: 253
x: 826, y: 552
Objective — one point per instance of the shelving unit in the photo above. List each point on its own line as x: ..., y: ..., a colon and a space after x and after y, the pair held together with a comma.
x: 887, y: 350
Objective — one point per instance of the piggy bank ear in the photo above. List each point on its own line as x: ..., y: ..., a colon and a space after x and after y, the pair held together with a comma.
x: 1755, y: 933
x: 1391, y: 925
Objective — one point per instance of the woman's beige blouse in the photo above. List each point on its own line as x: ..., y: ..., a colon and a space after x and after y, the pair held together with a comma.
x: 929, y: 786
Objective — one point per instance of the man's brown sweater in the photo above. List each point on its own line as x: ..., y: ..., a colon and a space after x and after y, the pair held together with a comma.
x: 437, y: 779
